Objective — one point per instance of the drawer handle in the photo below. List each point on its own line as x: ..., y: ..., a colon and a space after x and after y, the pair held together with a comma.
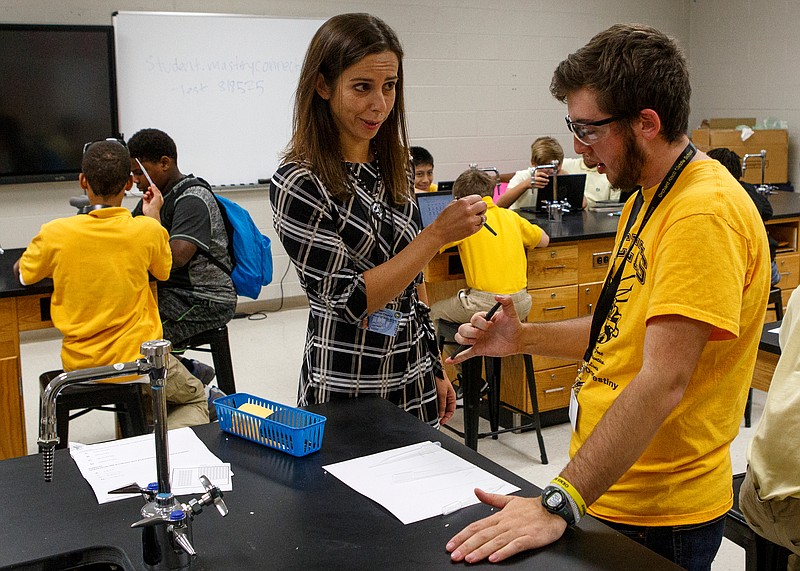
x: 561, y: 267
x: 556, y: 390
x: 555, y: 308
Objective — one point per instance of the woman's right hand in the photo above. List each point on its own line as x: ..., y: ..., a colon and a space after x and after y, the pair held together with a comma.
x: 460, y: 219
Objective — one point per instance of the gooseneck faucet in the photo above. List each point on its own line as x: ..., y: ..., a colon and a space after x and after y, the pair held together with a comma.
x: 165, y: 523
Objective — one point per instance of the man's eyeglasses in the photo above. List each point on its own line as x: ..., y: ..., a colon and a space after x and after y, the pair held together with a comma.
x: 588, y: 133
x: 114, y: 139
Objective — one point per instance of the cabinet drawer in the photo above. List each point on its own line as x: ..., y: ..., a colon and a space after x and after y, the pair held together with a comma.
x: 9, y: 338
x: 789, y: 267
x: 554, y: 303
x: 33, y: 312
x: 553, y: 386
x: 588, y: 294
x: 548, y: 267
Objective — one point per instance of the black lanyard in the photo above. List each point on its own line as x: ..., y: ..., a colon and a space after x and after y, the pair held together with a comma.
x: 614, y: 277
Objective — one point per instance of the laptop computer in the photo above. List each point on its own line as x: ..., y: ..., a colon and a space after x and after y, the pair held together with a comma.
x: 570, y: 188
x: 432, y: 203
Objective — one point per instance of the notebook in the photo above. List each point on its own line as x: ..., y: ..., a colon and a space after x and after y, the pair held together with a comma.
x: 431, y: 204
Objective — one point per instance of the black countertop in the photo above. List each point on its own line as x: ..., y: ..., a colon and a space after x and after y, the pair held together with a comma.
x: 769, y: 341
x: 9, y: 283
x: 586, y: 225
x: 287, y: 512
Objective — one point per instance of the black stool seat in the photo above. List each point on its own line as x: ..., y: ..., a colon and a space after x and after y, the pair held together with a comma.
x: 220, y: 349
x: 760, y: 553
x: 123, y: 399
x: 471, y: 380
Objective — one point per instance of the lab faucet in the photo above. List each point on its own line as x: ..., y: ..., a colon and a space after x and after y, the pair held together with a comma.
x: 555, y: 208
x: 762, y: 188
x: 166, y: 523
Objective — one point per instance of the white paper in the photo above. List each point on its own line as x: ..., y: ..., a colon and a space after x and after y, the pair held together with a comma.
x: 111, y: 465
x: 419, y: 481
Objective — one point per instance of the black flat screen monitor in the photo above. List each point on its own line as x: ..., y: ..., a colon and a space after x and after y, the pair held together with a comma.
x: 58, y: 93
x: 431, y: 204
x: 570, y: 188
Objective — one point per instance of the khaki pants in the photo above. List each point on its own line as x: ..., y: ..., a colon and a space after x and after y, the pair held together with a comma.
x: 776, y: 520
x: 187, y: 404
x: 461, y: 307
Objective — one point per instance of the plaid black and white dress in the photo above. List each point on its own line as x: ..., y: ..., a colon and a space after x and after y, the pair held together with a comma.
x: 332, y: 243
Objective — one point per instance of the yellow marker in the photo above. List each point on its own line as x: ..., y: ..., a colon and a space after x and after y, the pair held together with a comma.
x: 256, y: 410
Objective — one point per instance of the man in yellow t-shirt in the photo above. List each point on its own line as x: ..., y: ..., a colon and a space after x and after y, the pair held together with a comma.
x: 493, y: 264
x: 99, y: 262
x: 669, y: 354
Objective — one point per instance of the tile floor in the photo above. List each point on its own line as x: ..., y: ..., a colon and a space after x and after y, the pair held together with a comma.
x: 267, y: 353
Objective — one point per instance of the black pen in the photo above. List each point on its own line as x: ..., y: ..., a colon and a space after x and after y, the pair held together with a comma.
x: 489, y: 228
x: 489, y: 315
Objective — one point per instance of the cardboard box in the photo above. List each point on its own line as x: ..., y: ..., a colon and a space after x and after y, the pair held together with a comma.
x: 774, y: 141
x: 727, y: 122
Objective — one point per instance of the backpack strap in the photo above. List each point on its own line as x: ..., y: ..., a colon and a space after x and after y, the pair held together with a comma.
x: 191, y: 181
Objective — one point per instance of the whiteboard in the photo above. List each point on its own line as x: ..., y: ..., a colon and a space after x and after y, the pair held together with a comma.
x: 221, y: 85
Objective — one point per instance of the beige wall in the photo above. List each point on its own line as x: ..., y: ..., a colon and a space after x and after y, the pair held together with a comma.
x: 478, y: 73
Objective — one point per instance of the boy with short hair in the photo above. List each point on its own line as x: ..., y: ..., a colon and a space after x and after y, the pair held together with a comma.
x: 492, y: 264
x: 422, y: 161
x: 522, y: 189
x: 99, y: 262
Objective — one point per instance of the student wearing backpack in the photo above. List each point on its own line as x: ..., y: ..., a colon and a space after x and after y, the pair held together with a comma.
x: 199, y: 294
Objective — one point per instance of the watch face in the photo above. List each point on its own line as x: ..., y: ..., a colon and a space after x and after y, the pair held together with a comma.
x: 555, y: 500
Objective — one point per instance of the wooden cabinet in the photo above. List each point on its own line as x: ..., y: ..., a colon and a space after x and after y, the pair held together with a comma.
x: 785, y: 232
x: 12, y: 411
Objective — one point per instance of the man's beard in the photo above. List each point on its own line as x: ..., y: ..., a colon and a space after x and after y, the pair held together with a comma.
x: 632, y: 164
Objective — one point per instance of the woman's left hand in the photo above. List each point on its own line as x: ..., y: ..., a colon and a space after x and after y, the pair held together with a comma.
x: 446, y: 395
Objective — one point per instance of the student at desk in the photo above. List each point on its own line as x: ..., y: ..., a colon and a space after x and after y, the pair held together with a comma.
x: 493, y: 264
x: 99, y: 261
x: 522, y: 190
x: 345, y: 212
x: 422, y: 162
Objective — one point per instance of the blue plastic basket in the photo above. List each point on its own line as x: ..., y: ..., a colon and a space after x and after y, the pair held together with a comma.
x: 288, y: 429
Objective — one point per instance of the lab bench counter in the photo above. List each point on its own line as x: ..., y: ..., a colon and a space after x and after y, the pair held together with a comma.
x: 287, y: 512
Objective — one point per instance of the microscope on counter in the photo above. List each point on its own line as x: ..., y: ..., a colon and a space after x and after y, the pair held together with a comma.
x: 555, y: 208
x: 762, y: 188
x: 166, y: 522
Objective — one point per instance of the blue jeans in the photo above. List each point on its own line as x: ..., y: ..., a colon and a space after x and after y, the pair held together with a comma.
x: 693, y: 547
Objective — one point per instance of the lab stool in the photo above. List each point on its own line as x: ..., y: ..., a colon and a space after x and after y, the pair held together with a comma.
x: 775, y: 300
x: 220, y: 349
x: 123, y: 399
x: 760, y: 554
x: 471, y: 370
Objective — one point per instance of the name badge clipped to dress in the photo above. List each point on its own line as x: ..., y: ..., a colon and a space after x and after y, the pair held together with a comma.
x: 384, y: 321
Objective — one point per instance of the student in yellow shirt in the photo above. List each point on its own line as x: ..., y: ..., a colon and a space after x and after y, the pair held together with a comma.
x: 99, y: 262
x: 493, y: 264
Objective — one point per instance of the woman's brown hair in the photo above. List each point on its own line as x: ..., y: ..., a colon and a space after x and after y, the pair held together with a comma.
x: 342, y: 41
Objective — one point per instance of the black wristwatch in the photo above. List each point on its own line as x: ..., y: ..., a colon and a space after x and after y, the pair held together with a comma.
x: 556, y: 501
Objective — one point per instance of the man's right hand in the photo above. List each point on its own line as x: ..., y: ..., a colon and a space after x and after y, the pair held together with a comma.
x: 498, y: 337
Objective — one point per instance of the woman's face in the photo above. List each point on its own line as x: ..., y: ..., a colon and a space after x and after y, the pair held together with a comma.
x: 361, y: 100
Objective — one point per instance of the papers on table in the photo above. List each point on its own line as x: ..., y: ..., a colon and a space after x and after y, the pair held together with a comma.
x: 418, y: 481
x: 111, y: 465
